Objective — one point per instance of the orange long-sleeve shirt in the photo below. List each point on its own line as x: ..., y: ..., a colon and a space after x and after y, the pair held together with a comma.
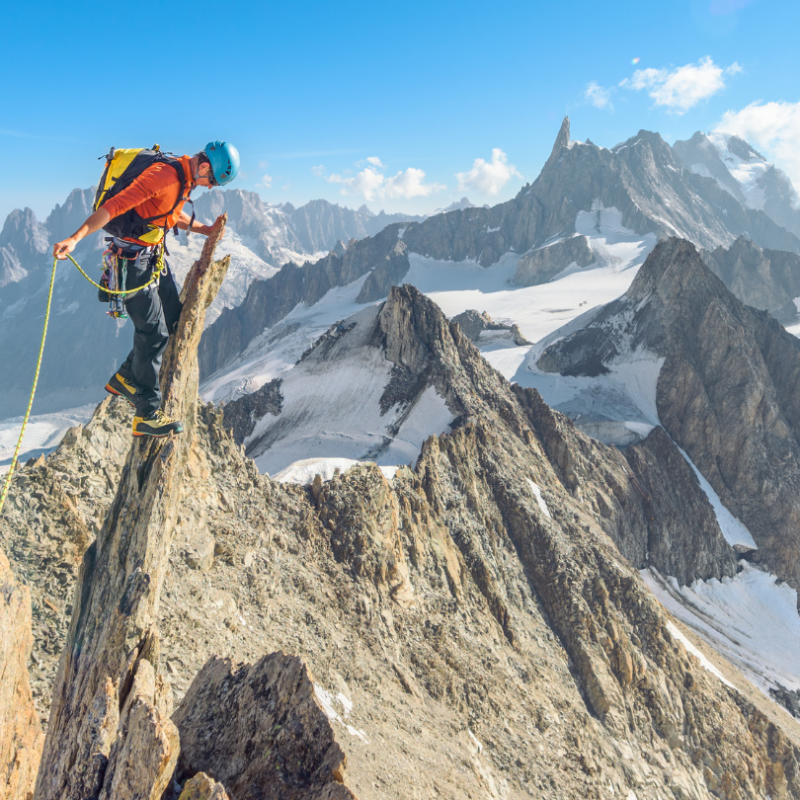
x: 153, y: 194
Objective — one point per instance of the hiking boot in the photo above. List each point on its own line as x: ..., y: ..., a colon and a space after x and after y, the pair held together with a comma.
x: 158, y: 424
x: 121, y: 388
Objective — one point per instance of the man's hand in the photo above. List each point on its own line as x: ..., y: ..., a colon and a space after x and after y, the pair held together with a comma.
x: 197, y: 227
x: 61, y: 249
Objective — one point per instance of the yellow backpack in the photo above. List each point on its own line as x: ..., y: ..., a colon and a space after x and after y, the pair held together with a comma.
x: 123, y: 166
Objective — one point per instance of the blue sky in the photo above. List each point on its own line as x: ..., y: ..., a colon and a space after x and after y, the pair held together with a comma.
x: 354, y: 101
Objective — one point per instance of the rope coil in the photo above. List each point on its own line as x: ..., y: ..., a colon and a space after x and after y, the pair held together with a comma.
x: 159, y: 268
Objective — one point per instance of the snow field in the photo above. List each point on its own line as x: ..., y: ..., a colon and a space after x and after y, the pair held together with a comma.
x: 331, y: 409
x: 43, y: 433
x: 750, y: 619
x: 304, y: 471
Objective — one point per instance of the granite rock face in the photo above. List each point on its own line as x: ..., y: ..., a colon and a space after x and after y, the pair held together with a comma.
x: 261, y: 731
x: 645, y: 497
x: 727, y: 392
x: 765, y: 279
x: 21, y: 735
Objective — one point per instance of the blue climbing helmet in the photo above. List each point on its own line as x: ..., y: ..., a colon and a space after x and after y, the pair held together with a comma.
x: 224, y: 158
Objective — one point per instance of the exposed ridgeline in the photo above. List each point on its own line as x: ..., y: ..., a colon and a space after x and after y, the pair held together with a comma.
x: 728, y: 392
x: 642, y: 178
x: 469, y: 627
x: 21, y: 735
x: 108, y: 726
x: 312, y: 228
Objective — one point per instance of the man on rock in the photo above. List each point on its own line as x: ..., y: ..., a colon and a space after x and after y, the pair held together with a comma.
x: 148, y: 207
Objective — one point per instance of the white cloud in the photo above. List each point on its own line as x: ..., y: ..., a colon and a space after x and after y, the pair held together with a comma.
x: 683, y: 87
x: 488, y: 177
x: 773, y: 128
x: 319, y: 170
x: 373, y: 184
x: 376, y: 162
x: 598, y: 96
x: 266, y: 181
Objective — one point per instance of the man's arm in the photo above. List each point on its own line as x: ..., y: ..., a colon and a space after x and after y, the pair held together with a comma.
x: 197, y: 227
x: 100, y: 218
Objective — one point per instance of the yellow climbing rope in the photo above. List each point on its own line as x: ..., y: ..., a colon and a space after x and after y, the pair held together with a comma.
x: 156, y: 275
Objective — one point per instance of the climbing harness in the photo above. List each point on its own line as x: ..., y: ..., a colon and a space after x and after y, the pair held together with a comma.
x: 159, y: 267
x: 122, y: 167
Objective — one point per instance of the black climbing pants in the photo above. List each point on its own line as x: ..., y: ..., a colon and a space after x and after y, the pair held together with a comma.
x: 154, y: 312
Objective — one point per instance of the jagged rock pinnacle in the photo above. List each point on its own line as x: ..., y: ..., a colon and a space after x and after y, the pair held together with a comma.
x: 109, y: 722
x: 562, y: 140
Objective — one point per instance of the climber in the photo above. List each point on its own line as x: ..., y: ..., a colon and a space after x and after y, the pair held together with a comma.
x: 156, y: 187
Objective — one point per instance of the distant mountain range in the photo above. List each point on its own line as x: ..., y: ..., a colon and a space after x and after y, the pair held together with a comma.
x: 653, y: 190
x: 590, y: 207
x: 84, y: 345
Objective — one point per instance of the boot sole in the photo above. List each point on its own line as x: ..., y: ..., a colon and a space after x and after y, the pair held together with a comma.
x: 119, y: 394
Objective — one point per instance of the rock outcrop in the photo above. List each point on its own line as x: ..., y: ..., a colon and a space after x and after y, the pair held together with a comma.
x: 21, y: 735
x: 241, y: 415
x: 727, y: 392
x: 261, y: 731
x: 473, y: 324
x: 109, y: 733
x: 544, y: 263
x: 645, y: 497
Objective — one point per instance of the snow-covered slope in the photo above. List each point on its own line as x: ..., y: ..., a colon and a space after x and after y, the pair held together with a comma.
x: 751, y: 619
x: 335, y: 405
x: 744, y: 173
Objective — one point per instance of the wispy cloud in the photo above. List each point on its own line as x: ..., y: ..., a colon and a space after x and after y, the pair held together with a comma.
x: 774, y: 128
x: 598, y: 96
x: 265, y: 182
x: 373, y: 184
x: 488, y: 177
x: 682, y: 88
x: 376, y: 162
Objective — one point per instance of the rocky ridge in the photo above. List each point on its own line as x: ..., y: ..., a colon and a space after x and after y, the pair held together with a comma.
x: 469, y: 626
x: 765, y: 279
x: 726, y: 394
